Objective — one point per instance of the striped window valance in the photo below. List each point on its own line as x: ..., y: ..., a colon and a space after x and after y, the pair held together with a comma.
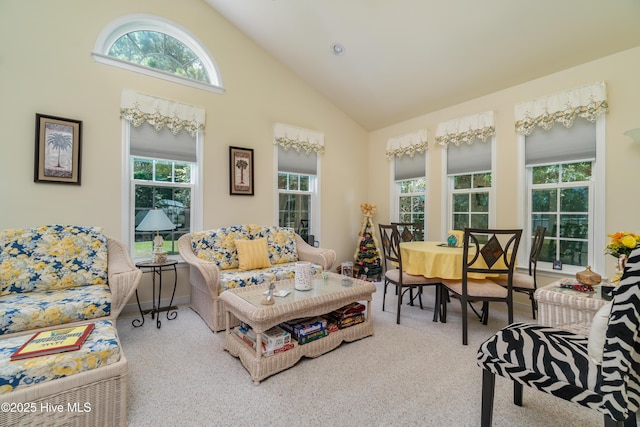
x: 408, y: 144
x: 138, y: 108
x: 466, y: 129
x: 589, y: 102
x: 288, y: 136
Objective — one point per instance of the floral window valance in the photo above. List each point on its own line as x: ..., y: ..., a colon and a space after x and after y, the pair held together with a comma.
x: 466, y: 129
x: 138, y: 108
x: 288, y: 136
x: 408, y: 144
x: 588, y: 101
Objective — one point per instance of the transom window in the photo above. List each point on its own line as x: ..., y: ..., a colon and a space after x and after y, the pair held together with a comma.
x: 157, y: 47
x: 160, y: 51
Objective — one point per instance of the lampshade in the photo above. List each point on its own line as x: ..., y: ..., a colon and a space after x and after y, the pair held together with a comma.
x: 155, y: 220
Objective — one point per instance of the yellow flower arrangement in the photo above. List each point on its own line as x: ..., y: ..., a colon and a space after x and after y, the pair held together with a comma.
x: 622, y: 243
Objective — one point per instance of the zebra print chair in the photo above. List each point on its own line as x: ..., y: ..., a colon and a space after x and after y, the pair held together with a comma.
x: 558, y: 362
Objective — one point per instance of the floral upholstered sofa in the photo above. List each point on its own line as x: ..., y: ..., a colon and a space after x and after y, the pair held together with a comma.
x: 243, y: 255
x: 61, y: 274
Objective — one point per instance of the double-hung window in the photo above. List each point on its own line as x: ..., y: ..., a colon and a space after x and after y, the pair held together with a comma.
x: 162, y: 141
x: 562, y: 148
x: 297, y: 156
x: 468, y: 161
x: 410, y: 188
x: 561, y: 192
x: 408, y: 156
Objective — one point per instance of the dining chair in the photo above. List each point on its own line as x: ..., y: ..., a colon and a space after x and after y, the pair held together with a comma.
x: 528, y: 283
x: 410, y: 231
x: 395, y: 275
x: 485, y: 252
x: 600, y: 371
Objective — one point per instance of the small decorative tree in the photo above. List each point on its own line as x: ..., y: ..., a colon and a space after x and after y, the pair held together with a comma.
x: 367, y: 256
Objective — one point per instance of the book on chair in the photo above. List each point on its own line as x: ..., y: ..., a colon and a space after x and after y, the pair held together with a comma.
x: 54, y: 341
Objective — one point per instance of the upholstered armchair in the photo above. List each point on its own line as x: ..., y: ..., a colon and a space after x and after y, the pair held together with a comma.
x: 600, y: 371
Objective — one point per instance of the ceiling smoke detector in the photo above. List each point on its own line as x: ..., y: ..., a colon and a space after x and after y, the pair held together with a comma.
x: 337, y: 49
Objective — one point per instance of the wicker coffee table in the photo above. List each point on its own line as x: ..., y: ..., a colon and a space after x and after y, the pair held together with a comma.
x: 326, y: 296
x: 568, y: 309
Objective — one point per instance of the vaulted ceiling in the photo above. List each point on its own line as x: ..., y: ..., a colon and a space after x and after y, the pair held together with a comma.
x: 405, y: 58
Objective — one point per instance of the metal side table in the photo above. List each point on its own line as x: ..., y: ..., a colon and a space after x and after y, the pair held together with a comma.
x: 157, y: 269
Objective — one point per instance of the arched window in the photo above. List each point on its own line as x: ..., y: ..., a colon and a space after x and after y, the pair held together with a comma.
x: 157, y: 47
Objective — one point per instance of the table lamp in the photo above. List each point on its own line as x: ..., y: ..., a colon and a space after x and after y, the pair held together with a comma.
x: 156, y: 220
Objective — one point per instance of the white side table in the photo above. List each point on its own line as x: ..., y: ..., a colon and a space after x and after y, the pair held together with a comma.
x: 568, y: 309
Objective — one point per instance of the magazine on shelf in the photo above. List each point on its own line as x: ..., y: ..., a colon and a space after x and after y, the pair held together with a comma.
x: 54, y: 341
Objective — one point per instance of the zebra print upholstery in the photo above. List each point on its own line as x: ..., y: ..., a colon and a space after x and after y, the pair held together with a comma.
x: 557, y: 362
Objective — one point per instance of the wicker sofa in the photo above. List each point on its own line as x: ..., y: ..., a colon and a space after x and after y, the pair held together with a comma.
x: 61, y: 274
x: 217, y: 264
x: 56, y: 276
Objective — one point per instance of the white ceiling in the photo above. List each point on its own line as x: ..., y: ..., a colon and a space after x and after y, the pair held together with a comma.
x: 405, y: 58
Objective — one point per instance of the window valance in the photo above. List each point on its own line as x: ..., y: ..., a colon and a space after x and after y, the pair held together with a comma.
x: 589, y: 102
x: 138, y: 108
x: 408, y: 144
x: 288, y: 136
x: 466, y: 129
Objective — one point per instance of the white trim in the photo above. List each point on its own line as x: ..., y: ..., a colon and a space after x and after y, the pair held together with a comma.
x: 599, y: 214
x: 137, y: 22
x: 125, y: 193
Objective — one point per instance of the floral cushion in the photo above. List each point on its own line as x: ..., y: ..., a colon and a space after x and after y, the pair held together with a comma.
x: 26, y: 311
x: 100, y: 349
x: 51, y: 257
x: 219, y: 246
x: 280, y: 241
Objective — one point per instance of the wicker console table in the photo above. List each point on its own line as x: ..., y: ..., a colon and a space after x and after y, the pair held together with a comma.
x: 326, y: 296
x: 566, y: 308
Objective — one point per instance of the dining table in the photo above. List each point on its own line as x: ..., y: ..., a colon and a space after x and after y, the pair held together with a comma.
x: 435, y: 259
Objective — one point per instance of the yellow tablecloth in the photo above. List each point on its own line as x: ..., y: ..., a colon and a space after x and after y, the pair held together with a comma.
x: 431, y: 260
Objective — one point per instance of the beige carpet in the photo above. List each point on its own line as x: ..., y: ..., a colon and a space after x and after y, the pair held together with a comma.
x: 414, y: 374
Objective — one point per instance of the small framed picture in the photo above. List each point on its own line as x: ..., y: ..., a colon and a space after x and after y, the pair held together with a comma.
x: 557, y: 265
x: 57, y: 156
x: 241, y: 171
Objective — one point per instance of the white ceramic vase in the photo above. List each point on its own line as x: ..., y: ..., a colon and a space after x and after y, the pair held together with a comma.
x: 303, y: 276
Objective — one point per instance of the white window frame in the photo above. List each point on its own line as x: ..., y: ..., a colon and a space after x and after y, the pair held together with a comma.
x: 447, y: 190
x: 128, y: 189
x: 144, y: 22
x: 314, y: 190
x: 395, y: 194
x: 469, y: 191
x: 597, y: 233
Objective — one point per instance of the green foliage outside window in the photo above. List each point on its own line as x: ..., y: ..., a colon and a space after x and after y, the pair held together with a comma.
x: 560, y: 202
x: 161, y: 52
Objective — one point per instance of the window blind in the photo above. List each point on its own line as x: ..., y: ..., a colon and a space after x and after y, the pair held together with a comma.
x: 299, y: 162
x: 465, y: 158
x: 145, y: 141
x: 561, y: 144
x: 407, y: 167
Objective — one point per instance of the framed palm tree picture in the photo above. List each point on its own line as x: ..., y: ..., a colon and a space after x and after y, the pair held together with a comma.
x: 58, y: 142
x: 241, y: 168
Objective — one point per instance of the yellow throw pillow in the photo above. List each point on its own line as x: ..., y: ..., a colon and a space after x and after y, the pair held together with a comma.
x: 252, y: 254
